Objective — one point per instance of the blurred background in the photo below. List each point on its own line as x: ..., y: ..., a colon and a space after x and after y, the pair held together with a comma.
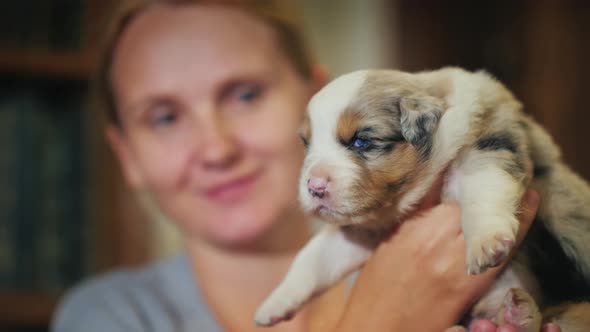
x: 64, y: 211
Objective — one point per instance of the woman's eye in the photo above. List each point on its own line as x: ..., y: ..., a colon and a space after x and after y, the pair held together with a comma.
x: 249, y: 95
x: 162, y: 115
x: 164, y: 119
x: 246, y: 92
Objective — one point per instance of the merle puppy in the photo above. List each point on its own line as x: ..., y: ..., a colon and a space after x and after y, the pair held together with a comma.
x: 376, y: 142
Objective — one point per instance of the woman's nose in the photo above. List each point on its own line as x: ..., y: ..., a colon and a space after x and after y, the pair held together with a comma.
x: 219, y: 148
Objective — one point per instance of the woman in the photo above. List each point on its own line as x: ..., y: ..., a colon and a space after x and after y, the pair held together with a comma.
x: 204, y: 101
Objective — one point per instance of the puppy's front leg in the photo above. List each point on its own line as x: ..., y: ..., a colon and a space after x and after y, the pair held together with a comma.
x: 326, y: 259
x: 488, y: 184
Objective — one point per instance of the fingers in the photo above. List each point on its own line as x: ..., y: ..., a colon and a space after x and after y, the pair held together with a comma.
x: 551, y: 328
x: 487, y: 326
x: 482, y: 325
x: 507, y: 328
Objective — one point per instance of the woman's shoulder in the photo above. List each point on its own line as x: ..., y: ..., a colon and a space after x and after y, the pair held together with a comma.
x: 96, y: 301
x: 157, y: 297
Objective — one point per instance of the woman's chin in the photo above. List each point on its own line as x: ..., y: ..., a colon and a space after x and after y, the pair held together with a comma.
x: 245, y: 231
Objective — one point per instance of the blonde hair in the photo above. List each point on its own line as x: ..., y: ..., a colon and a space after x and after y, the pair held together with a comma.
x: 277, y: 14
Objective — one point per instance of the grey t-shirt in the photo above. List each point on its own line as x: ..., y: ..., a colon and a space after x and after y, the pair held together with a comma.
x: 162, y: 297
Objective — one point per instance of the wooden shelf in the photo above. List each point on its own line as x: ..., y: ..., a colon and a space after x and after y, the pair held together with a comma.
x: 26, y: 308
x: 59, y: 64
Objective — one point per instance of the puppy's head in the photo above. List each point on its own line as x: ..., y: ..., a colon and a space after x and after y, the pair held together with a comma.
x: 367, y: 135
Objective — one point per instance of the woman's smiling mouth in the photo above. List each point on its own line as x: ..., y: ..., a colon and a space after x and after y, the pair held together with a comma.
x: 233, y: 189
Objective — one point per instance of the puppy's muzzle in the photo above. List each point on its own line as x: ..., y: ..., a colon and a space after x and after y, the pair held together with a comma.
x: 317, y: 186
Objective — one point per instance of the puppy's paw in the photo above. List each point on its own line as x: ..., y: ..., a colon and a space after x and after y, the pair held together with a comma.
x: 519, y: 309
x: 279, y: 307
x: 488, y: 250
x: 456, y: 328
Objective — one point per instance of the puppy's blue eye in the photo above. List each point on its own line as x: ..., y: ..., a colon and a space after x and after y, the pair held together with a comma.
x: 361, y: 143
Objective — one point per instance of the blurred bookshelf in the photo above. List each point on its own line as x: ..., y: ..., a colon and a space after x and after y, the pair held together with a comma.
x: 39, y: 306
x: 64, y: 212
x: 45, y: 63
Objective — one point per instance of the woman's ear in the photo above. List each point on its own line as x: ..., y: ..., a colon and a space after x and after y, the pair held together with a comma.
x: 120, y: 145
x: 319, y: 78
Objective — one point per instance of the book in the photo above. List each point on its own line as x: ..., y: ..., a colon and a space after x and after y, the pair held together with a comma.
x: 48, y: 24
x: 61, y: 240
x: 43, y: 232
x: 29, y: 144
x: 9, y: 188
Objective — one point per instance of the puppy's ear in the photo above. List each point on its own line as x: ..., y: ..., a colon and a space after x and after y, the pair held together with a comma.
x: 419, y: 116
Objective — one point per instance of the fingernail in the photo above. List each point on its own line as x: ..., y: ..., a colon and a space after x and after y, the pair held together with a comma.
x: 507, y: 328
x: 551, y: 327
x: 484, y: 329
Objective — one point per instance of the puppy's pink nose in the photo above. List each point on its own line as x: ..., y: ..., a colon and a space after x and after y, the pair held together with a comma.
x: 317, y: 186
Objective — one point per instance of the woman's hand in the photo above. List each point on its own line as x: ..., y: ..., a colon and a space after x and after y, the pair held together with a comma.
x: 417, y: 280
x: 488, y: 326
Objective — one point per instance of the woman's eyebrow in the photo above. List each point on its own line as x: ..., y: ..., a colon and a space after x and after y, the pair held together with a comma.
x: 244, y: 78
x: 134, y: 108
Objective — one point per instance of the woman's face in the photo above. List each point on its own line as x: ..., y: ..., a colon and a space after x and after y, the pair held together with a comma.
x: 210, y: 108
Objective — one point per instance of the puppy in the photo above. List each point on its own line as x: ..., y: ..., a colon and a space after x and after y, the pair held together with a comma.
x: 377, y: 140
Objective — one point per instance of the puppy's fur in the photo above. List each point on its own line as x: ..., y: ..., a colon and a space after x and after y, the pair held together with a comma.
x: 378, y: 140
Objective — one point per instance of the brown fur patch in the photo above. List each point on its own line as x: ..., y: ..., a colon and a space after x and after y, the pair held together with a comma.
x: 385, y: 174
x: 305, y: 128
x: 348, y: 123
x: 394, y: 174
x: 367, y: 237
x: 384, y: 181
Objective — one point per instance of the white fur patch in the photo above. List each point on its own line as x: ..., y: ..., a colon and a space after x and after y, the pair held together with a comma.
x: 326, y: 259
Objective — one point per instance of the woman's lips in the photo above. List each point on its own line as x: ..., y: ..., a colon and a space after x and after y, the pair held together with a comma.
x: 233, y: 189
